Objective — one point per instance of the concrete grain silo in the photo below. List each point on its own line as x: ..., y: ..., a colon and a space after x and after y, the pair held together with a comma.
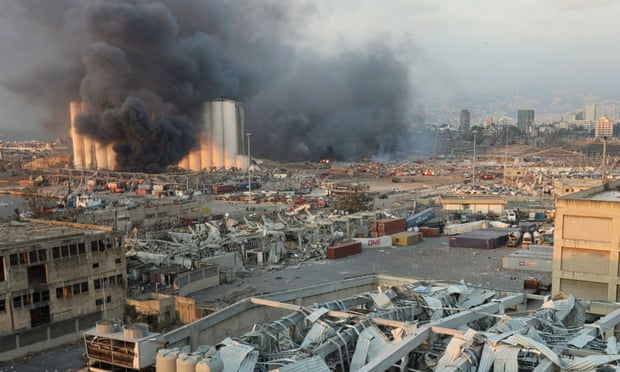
x: 75, y: 108
x: 221, y: 141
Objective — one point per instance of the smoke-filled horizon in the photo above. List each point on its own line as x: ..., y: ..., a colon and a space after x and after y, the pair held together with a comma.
x: 144, y: 68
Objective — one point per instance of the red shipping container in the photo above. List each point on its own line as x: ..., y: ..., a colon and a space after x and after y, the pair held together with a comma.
x: 344, y: 249
x: 429, y: 232
x: 390, y: 226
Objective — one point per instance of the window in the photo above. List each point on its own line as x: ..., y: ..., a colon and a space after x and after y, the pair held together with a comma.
x: 36, y: 297
x: 33, y: 256
x: 2, y: 276
x: 99, y: 301
x: 42, y: 255
x: 81, y: 248
x: 64, y: 251
x: 76, y: 288
x: 59, y: 292
x: 56, y: 252
x: 45, y: 295
x: 93, y: 245
x: 17, y: 301
x: 84, y: 287
x: 108, y: 299
x: 119, y: 279
x: 26, y: 299
x: 3, y: 305
x: 117, y: 261
x: 67, y: 291
x: 95, y: 265
x: 97, y: 283
x: 73, y: 250
x: 23, y: 258
x: 13, y: 259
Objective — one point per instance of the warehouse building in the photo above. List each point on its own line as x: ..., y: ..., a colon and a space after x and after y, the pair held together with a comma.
x: 586, y: 256
x: 56, y: 279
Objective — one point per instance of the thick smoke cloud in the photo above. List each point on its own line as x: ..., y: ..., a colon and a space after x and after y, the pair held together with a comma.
x: 144, y: 68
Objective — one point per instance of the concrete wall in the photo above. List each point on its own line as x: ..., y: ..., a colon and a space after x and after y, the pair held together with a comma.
x: 243, y: 315
x: 586, y: 254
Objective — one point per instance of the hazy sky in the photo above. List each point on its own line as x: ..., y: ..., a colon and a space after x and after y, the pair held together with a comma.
x: 484, y: 45
x: 454, y: 48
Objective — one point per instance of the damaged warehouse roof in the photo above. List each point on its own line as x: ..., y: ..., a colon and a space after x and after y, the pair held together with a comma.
x: 414, y: 325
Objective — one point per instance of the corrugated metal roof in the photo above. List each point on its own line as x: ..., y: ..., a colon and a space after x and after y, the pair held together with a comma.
x: 316, y: 314
x: 317, y: 334
x: 314, y: 364
x: 506, y: 359
x: 238, y: 357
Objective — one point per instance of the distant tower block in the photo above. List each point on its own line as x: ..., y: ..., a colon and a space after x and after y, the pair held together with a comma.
x: 75, y: 108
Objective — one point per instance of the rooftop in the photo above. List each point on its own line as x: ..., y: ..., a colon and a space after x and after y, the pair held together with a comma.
x: 30, y: 230
x: 608, y: 193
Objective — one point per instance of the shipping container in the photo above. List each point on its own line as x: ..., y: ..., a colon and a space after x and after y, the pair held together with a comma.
x: 429, y: 232
x: 389, y: 226
x: 406, y: 238
x: 219, y: 189
x: 344, y: 249
x: 482, y: 239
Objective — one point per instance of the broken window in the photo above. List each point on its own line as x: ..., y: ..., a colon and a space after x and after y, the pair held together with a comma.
x: 67, y: 291
x: 59, y: 292
x: 99, y: 301
x: 93, y: 245
x: 76, y: 288
x: 42, y: 255
x: 13, y: 259
x: 64, y: 251
x: 97, y: 283
x: 73, y: 250
x: 81, y: 248
x: 45, y: 295
x: 37, y: 275
x: 2, y: 276
x: 33, y: 256
x: 56, y: 252
x: 3, y: 305
x: 26, y: 299
x: 84, y: 287
x: 17, y: 301
x: 39, y: 316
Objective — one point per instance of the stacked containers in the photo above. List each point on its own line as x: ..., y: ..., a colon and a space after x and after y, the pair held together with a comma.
x: 388, y: 226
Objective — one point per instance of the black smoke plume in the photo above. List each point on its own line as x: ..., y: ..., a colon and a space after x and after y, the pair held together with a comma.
x: 144, y: 68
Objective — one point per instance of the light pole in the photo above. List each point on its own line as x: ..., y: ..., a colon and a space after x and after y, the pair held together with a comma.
x: 473, y: 170
x: 249, y: 167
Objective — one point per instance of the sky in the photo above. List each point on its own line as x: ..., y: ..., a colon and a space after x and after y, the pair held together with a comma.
x: 453, y: 49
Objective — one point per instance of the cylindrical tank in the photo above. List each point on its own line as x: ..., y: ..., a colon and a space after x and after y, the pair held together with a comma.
x: 210, y: 365
x: 134, y: 331
x: 205, y: 151
x: 216, y: 120
x: 186, y: 362
x: 111, y: 157
x: 230, y: 132
x: 75, y: 108
x: 105, y: 326
x: 166, y: 360
x: 101, y: 153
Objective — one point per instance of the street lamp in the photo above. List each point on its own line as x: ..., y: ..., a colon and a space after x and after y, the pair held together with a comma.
x: 473, y: 170
x: 249, y: 167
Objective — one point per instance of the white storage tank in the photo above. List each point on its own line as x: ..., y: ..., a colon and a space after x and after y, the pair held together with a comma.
x: 106, y: 326
x: 210, y: 365
x: 186, y: 362
x: 135, y: 331
x: 166, y: 360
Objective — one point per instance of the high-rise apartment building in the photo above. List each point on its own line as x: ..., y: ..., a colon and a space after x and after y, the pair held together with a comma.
x: 604, y: 128
x: 464, y: 120
x: 589, y: 112
x: 525, y: 120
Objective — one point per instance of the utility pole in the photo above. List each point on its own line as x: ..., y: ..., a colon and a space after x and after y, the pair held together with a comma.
x: 248, y: 135
x: 473, y: 170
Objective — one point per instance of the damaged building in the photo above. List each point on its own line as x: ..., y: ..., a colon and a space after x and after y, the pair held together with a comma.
x: 56, y: 280
x: 380, y: 323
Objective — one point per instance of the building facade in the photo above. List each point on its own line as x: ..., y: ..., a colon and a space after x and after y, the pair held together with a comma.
x: 586, y: 253
x: 525, y: 121
x: 56, y: 279
x: 464, y: 120
x: 604, y: 128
